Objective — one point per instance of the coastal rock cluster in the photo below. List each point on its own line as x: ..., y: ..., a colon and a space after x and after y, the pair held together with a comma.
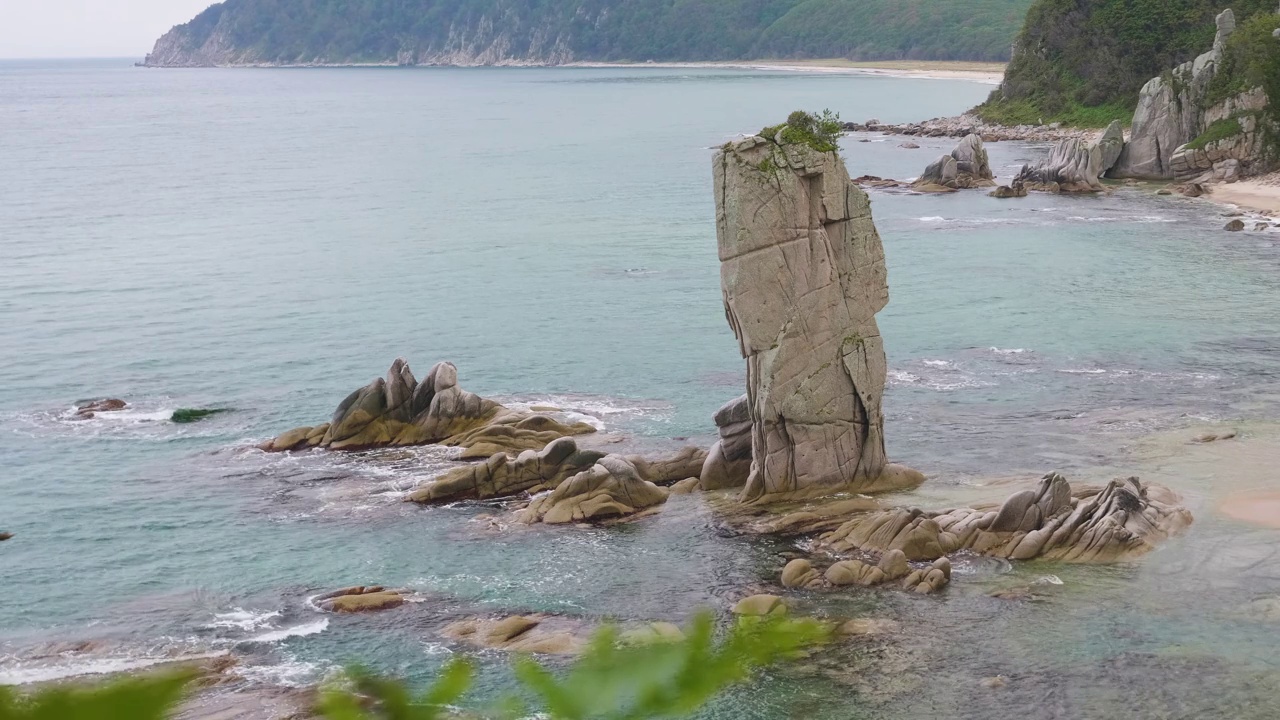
x: 802, y: 276
x: 1118, y: 522
x: 399, y: 411
x: 969, y: 124
x: 1075, y: 165
x: 891, y: 568
x: 966, y: 167
x: 728, y: 463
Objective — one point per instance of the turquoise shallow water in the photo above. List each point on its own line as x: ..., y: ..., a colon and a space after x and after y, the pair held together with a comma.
x: 268, y: 240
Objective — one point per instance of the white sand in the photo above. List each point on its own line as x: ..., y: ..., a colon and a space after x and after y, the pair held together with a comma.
x: 1261, y: 193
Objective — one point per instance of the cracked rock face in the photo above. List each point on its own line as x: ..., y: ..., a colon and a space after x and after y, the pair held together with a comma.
x: 729, y: 462
x: 803, y: 275
x: 398, y: 411
x: 1119, y: 522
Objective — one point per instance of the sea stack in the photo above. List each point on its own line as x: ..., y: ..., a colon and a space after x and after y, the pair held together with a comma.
x: 802, y: 273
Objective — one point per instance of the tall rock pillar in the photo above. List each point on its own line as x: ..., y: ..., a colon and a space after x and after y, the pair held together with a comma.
x: 803, y: 275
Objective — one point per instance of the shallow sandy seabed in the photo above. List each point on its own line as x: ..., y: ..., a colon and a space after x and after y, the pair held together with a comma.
x: 1257, y: 194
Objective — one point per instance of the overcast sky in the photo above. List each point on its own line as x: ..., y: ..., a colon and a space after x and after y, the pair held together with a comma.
x: 88, y: 28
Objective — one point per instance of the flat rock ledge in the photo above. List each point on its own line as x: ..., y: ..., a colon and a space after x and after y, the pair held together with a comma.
x: 1122, y: 521
x: 360, y: 598
x: 398, y: 411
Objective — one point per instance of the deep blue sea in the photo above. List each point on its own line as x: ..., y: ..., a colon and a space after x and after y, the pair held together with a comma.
x: 266, y: 241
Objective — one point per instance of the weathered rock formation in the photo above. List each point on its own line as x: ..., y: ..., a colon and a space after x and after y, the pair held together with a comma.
x: 966, y: 167
x: 1174, y: 109
x: 1075, y: 166
x: 803, y: 275
x: 891, y: 568
x: 1014, y: 189
x: 400, y: 411
x: 1121, y: 521
x: 537, y: 633
x: 729, y: 462
x: 360, y: 598
x: 538, y: 471
x: 610, y: 488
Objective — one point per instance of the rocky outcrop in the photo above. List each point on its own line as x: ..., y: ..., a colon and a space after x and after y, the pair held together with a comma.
x: 966, y: 167
x: 1014, y: 189
x: 802, y: 275
x: 399, y: 411
x: 545, y: 634
x: 892, y: 568
x: 1072, y: 166
x: 360, y: 598
x: 538, y: 471
x: 1119, y: 522
x: 1239, y: 153
x: 1174, y: 109
x: 88, y: 410
x: 609, y: 489
x: 729, y: 462
x: 1075, y: 165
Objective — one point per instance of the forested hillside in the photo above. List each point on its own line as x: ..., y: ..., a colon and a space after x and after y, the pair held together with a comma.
x: 557, y: 31
x: 1084, y: 61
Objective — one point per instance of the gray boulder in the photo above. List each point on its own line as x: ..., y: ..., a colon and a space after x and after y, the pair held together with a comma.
x: 966, y: 167
x: 729, y: 462
x: 1110, y: 146
x: 609, y: 489
x: 803, y: 275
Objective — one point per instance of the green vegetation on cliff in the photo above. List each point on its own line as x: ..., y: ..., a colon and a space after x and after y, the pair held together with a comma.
x: 491, y: 31
x: 1083, y: 61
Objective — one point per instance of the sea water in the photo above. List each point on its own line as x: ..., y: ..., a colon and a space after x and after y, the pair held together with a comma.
x: 268, y: 240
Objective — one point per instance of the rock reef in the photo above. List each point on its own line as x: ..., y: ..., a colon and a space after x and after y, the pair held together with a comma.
x: 398, y: 411
x: 803, y: 276
x: 612, y: 487
x: 1121, y: 521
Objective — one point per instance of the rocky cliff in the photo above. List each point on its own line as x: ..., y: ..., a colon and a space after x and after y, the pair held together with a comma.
x: 551, y: 32
x: 803, y: 275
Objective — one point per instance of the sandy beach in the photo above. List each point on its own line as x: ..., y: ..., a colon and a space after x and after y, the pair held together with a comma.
x: 988, y: 73
x: 1260, y: 193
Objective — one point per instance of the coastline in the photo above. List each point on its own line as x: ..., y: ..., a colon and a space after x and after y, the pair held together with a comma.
x: 1258, y: 194
x: 981, y: 72
x: 986, y: 73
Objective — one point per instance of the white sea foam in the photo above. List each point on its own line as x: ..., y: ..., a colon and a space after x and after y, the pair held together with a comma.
x: 243, y: 619
x: 291, y: 672
x: 311, y: 628
x: 939, y: 363
x: 1008, y: 351
x: 933, y: 219
x: 1082, y: 371
x: 22, y: 675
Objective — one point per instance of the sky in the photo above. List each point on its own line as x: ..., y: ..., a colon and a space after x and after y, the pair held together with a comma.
x: 88, y: 28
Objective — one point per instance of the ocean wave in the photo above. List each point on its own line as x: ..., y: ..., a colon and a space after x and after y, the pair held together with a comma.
x: 312, y: 628
x: 932, y: 219
x: 902, y: 377
x: 46, y: 672
x: 290, y: 672
x: 242, y: 619
x: 1009, y: 351
x: 1081, y: 371
x: 939, y: 363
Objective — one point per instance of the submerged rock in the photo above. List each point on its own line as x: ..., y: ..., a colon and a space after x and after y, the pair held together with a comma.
x: 400, y: 411
x: 1013, y: 190
x: 1234, y: 226
x: 610, y: 488
x: 803, y: 275
x: 520, y: 633
x: 89, y: 409
x: 5, y: 536
x: 1121, y: 521
x: 190, y: 415
x: 360, y: 599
